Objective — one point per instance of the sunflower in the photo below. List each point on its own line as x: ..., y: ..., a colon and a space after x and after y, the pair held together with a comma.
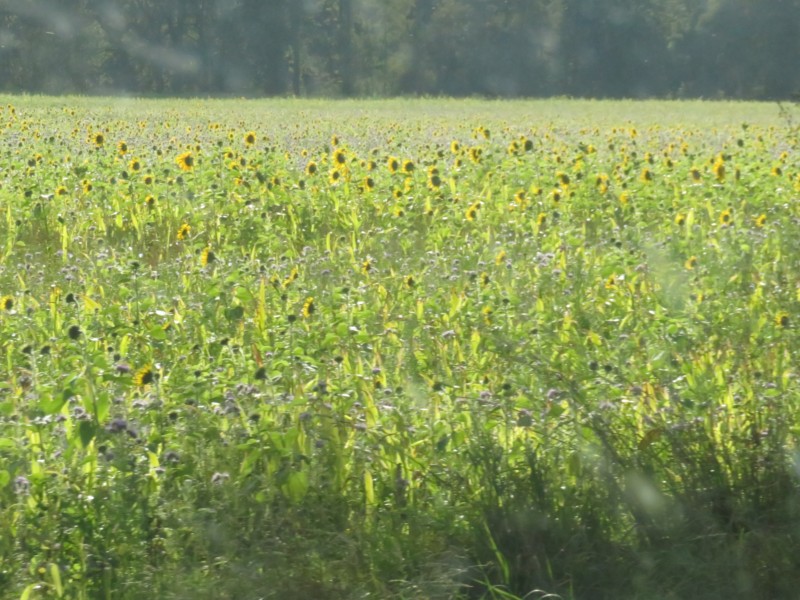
x: 311, y: 168
x: 150, y: 201
x: 690, y: 263
x: 135, y: 165
x: 646, y: 176
x: 761, y: 220
x: 250, y: 138
x: 680, y: 219
x: 293, y: 275
x: 782, y: 320
x: 472, y: 211
x: 434, y: 181
x: 719, y: 170
x: 144, y: 376
x: 393, y: 164
x: 340, y: 157
x: 207, y: 257
x: 7, y: 303
x: 184, y: 231
x: 410, y: 282
x: 98, y: 139
x: 148, y: 179
x: 185, y: 161
x: 369, y: 184
x: 455, y: 147
x: 408, y: 166
x: 334, y: 175
x: 695, y: 174
x: 726, y: 217
x: 308, y: 307
x: 122, y: 148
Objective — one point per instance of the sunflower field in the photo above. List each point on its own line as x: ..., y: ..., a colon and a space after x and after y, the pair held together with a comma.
x: 398, y: 349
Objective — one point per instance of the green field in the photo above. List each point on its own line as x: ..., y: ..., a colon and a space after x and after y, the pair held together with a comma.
x: 398, y: 349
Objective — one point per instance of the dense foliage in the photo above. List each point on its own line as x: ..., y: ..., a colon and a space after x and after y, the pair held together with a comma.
x: 597, y: 48
x: 398, y: 350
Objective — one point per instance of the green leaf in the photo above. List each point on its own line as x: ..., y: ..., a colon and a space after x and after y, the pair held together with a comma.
x: 55, y: 575
x: 296, y: 486
x: 369, y: 488
x: 5, y: 478
x: 87, y: 431
x: 234, y: 313
x: 243, y: 294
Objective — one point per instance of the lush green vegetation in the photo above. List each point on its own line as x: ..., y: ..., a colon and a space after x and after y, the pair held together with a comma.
x: 398, y: 350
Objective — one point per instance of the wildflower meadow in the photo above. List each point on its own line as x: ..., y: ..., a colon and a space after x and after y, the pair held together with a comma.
x: 398, y: 349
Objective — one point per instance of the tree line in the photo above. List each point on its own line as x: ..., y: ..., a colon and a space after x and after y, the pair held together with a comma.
x: 499, y: 48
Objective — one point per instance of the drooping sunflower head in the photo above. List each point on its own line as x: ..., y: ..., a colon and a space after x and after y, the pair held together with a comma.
x: 308, y: 307
x: 782, y: 320
x: 207, y: 256
x: 144, y: 376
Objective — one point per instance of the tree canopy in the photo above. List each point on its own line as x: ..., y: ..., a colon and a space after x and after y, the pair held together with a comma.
x: 503, y: 48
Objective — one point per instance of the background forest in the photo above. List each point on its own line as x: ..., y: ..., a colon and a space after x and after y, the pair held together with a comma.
x: 505, y: 48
